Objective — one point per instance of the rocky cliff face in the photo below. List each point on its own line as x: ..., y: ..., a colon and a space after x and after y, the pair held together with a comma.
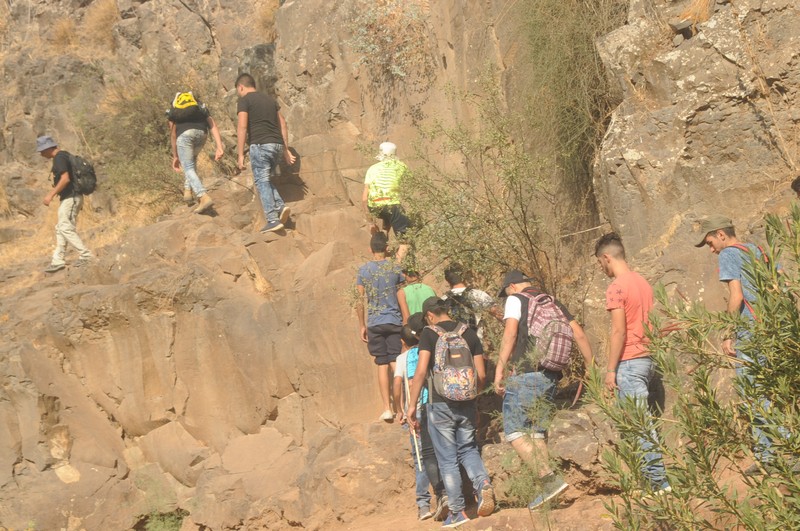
x: 194, y: 366
x: 708, y: 125
x: 200, y: 367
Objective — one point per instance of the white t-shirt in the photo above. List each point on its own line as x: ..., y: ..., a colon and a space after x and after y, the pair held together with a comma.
x: 513, y: 309
x: 401, y: 365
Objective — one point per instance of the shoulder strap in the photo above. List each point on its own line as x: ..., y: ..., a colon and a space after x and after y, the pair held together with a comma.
x: 461, y: 329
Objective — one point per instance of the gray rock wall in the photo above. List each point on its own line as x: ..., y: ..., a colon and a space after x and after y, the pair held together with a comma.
x: 708, y: 125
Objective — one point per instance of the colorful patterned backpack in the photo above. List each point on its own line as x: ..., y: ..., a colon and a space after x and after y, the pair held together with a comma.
x: 454, y: 375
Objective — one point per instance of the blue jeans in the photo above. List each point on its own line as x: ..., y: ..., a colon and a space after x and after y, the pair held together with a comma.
x: 263, y: 159
x: 528, y: 394
x: 452, y: 430
x: 762, y: 447
x: 189, y: 145
x: 633, y: 381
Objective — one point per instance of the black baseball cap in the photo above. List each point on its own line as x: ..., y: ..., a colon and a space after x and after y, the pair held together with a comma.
x: 515, y: 276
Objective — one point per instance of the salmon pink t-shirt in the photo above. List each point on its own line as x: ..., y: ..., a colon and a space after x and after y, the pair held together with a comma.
x: 632, y: 293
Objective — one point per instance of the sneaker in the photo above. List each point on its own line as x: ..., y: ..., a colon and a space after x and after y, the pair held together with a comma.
x: 272, y: 227
x: 753, y: 470
x: 425, y: 513
x: 552, y: 486
x: 663, y: 491
x: 486, y: 500
x: 387, y: 415
x: 52, y: 268
x: 456, y: 519
x: 285, y: 214
x: 82, y: 262
x: 441, y: 508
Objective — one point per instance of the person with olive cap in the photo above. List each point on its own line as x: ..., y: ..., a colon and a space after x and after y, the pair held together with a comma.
x: 719, y: 235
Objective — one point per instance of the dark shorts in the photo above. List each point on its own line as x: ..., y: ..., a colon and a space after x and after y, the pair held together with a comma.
x: 394, y: 216
x: 383, y: 342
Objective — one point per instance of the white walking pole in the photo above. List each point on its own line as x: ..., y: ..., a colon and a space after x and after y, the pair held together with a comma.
x: 413, y: 435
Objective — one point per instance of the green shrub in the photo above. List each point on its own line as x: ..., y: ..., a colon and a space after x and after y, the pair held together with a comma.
x: 707, y: 443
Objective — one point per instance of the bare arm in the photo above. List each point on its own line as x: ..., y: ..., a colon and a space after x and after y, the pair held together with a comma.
x: 360, y: 308
x: 401, y: 300
x: 62, y: 183
x: 285, y: 134
x: 397, y: 393
x: 212, y: 126
x: 583, y: 343
x: 241, y: 135
x: 506, y: 348
x: 173, y: 140
x: 480, y: 369
x: 617, y: 345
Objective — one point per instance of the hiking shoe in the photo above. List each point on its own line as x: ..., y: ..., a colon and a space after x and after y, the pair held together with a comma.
x: 203, y: 204
x: 387, y: 415
x: 663, y: 491
x: 285, y: 214
x: 441, y: 508
x: 188, y: 198
x: 456, y: 519
x: 425, y: 512
x: 552, y: 486
x: 753, y: 470
x: 486, y: 499
x: 52, y: 268
x: 272, y: 227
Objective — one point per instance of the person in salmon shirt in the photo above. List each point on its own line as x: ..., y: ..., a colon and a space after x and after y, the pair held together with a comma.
x: 629, y: 299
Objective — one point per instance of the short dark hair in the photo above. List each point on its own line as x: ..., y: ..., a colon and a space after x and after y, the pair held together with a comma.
x: 611, y: 244
x: 245, y: 80
x: 454, y: 274
x: 379, y: 242
x: 796, y: 184
x: 730, y: 232
x: 408, y: 336
x: 411, y: 272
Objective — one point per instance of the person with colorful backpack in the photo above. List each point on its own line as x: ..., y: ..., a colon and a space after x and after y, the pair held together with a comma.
x: 189, y: 124
x: 67, y: 186
x: 425, y: 464
x: 537, y: 345
x: 452, y: 367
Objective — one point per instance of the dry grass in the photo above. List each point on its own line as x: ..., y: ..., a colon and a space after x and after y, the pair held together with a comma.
x: 5, y: 209
x: 97, y: 230
x: 98, y: 23
x: 64, y: 35
x: 265, y: 17
x: 698, y: 11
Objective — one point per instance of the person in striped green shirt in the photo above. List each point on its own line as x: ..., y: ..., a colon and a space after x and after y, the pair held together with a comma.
x: 381, y: 198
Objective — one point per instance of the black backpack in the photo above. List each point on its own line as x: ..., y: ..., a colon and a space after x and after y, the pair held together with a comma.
x: 83, y: 177
x: 460, y: 309
x: 186, y: 108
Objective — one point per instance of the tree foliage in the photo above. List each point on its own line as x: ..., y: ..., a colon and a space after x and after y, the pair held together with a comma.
x: 708, y: 442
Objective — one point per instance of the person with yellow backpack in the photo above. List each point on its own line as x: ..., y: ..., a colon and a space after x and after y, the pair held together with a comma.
x: 189, y: 124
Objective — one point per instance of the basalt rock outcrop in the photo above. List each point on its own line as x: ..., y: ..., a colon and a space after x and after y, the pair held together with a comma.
x: 708, y: 125
x: 196, y: 366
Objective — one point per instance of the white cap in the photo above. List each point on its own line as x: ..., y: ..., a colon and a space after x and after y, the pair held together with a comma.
x: 387, y: 149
